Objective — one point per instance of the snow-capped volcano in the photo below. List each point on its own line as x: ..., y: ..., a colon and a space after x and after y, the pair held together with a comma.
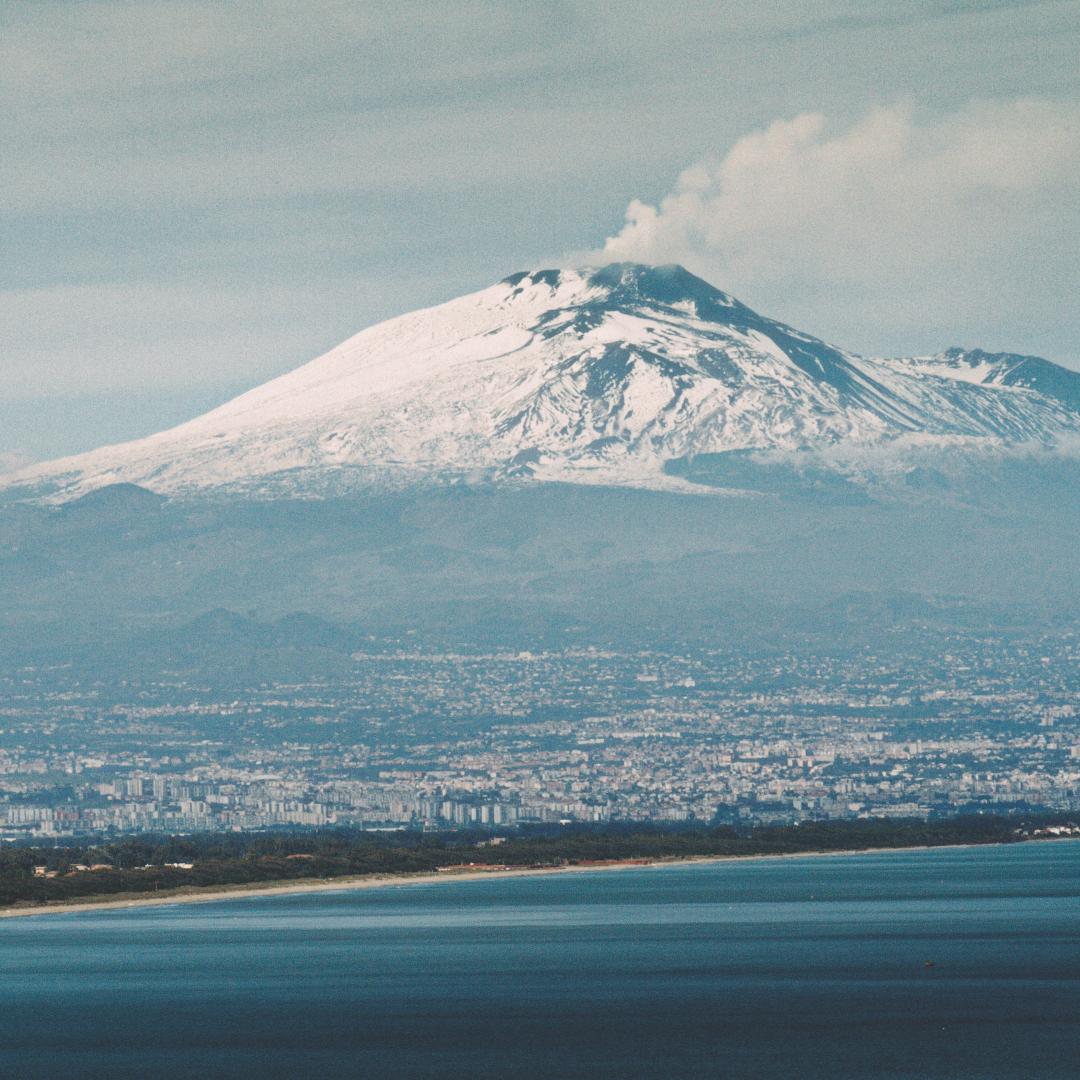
x: 598, y: 375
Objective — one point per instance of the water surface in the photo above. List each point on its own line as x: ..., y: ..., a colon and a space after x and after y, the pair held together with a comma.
x: 935, y: 964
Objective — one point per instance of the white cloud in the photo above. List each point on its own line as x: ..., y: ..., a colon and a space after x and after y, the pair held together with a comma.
x: 939, y: 220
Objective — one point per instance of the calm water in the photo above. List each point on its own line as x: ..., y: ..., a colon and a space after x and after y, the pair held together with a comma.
x: 789, y: 968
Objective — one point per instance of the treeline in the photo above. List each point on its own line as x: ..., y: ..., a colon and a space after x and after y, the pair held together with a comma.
x: 41, y: 875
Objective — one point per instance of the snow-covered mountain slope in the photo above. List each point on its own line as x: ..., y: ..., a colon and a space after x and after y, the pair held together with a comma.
x: 588, y: 376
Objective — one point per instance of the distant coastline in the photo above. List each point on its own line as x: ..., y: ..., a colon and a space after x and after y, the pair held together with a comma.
x: 210, y: 894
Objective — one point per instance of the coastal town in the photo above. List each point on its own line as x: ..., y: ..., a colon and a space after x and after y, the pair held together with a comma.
x: 438, y: 740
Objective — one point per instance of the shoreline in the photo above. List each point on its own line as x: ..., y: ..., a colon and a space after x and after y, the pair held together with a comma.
x: 194, y: 894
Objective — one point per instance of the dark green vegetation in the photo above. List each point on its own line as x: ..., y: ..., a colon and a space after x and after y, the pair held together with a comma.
x: 138, y: 865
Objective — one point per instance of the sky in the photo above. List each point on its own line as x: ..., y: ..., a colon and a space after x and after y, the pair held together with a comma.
x: 197, y: 196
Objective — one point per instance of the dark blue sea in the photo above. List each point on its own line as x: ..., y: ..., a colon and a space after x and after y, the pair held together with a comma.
x: 947, y: 963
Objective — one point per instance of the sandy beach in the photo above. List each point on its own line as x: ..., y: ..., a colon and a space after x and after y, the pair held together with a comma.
x: 197, y: 895
x: 210, y: 894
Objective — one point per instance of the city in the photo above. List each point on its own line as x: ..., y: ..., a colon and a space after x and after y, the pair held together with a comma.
x: 427, y: 739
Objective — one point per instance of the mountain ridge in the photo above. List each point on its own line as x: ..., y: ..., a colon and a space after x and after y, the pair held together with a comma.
x: 612, y: 375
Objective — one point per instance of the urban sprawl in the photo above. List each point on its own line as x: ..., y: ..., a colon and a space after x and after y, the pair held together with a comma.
x: 425, y: 739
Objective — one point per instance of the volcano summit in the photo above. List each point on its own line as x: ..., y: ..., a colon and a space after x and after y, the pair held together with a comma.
x: 611, y: 376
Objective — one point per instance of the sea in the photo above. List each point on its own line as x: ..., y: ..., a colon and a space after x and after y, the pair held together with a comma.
x: 947, y: 963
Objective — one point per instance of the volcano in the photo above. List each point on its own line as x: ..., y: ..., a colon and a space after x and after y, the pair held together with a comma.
x: 615, y: 376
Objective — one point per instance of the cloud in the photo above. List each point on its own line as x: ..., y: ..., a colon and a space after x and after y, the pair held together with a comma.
x: 197, y: 102
x: 939, y: 219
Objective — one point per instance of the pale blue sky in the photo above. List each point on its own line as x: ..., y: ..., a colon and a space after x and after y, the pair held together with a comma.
x: 198, y: 196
